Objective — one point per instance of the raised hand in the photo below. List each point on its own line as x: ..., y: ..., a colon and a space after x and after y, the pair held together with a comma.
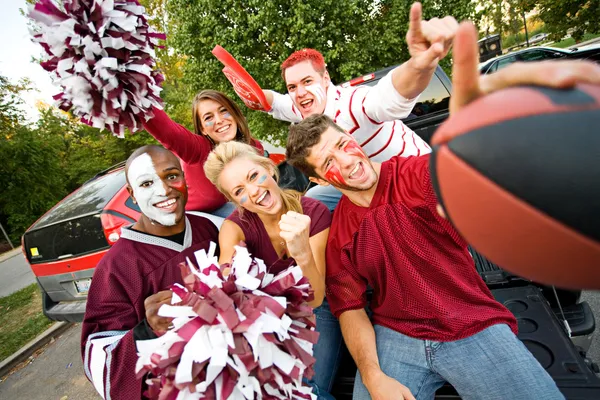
x: 429, y: 41
x: 295, y: 231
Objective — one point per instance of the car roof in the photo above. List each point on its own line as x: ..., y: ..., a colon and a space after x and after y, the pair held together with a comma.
x: 90, y: 198
x: 512, y: 53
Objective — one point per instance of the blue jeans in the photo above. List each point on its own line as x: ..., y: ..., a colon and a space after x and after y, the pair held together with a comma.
x: 327, y: 195
x: 492, y: 364
x: 327, y: 351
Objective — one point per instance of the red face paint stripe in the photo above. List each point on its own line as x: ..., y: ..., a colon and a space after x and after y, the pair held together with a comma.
x: 334, y: 175
x: 181, y: 187
x: 367, y: 115
x: 389, y: 140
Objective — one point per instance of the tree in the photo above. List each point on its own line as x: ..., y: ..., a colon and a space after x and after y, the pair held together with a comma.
x: 355, y: 36
x: 30, y: 175
x: 575, y: 16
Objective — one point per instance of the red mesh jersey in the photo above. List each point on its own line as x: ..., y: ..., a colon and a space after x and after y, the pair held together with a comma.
x: 137, y: 266
x: 256, y: 236
x: 424, y: 279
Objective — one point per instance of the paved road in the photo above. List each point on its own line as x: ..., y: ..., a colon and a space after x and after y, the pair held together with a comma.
x: 15, y: 274
x: 56, y: 374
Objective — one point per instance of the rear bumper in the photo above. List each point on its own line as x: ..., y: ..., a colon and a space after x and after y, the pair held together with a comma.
x: 60, y: 299
x: 72, y: 311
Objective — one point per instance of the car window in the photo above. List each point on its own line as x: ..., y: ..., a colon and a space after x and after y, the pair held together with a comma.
x: 68, y: 239
x: 434, y: 98
x: 505, y: 62
x: 537, y: 55
x: 90, y: 198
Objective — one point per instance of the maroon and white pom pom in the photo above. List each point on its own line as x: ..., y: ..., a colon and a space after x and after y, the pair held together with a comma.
x: 101, y: 54
x: 248, y: 335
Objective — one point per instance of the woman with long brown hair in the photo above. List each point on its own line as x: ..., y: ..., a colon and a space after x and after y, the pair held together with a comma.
x: 217, y: 119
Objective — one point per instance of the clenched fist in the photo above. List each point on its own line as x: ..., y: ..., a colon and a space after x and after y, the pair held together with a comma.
x: 295, y: 231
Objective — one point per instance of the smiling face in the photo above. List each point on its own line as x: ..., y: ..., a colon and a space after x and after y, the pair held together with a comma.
x: 307, y: 88
x: 157, y: 184
x: 251, y: 186
x: 217, y: 122
x: 339, y: 159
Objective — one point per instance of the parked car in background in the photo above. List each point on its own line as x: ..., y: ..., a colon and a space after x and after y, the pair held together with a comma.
x: 540, y: 37
x: 64, y: 246
x: 539, y: 54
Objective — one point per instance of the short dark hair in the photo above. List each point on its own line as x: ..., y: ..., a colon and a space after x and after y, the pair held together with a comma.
x: 302, y: 137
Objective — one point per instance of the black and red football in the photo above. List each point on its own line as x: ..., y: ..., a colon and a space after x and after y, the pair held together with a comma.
x: 518, y: 174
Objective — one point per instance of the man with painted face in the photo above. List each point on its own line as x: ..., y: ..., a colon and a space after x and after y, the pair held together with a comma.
x: 131, y: 281
x: 371, y: 114
x: 434, y: 319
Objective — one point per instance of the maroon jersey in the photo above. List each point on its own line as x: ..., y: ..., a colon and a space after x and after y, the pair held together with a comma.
x: 256, y: 236
x: 193, y: 150
x: 424, y: 278
x: 137, y: 266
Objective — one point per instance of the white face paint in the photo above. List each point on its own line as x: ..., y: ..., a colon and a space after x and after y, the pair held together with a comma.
x: 149, y: 190
x: 316, y: 90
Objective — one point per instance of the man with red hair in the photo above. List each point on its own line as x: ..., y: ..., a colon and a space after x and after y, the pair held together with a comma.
x: 371, y: 114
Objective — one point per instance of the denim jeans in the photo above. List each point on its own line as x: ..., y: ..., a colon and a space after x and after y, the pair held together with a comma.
x: 327, y: 351
x: 327, y: 195
x: 492, y: 364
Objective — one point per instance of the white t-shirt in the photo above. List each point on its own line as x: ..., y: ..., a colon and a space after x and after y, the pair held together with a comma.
x: 372, y: 114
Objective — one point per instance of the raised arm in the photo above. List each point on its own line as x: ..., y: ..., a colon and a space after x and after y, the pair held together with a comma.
x: 428, y: 42
x: 282, y: 107
x: 186, y: 145
x: 307, y: 251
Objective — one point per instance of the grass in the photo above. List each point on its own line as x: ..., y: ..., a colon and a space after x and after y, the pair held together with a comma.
x: 21, y: 319
x: 571, y: 42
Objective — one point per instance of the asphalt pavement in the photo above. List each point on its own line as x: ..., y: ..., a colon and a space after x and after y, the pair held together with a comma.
x: 15, y: 273
x: 55, y: 374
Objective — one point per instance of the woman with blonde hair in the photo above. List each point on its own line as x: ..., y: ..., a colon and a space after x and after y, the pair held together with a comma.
x: 217, y: 119
x: 276, y: 224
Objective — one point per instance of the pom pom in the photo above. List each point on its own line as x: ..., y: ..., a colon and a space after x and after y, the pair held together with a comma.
x: 248, y: 335
x: 101, y: 54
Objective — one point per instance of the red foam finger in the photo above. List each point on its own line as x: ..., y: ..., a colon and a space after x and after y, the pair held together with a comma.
x: 244, y: 85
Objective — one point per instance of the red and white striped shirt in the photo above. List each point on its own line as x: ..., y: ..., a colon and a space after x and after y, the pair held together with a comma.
x: 372, y: 114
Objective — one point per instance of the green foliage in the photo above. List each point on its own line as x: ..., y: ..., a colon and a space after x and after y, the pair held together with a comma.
x: 43, y: 162
x: 561, y: 16
x: 355, y: 37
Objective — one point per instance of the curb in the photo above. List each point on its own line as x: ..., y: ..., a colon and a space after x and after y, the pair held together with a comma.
x: 10, y: 254
x: 24, y: 352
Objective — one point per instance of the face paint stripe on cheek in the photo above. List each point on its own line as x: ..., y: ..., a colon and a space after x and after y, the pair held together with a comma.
x: 262, y: 179
x: 354, y: 149
x: 209, y: 123
x: 243, y: 200
x: 334, y: 175
x: 317, y: 91
x: 180, y: 186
